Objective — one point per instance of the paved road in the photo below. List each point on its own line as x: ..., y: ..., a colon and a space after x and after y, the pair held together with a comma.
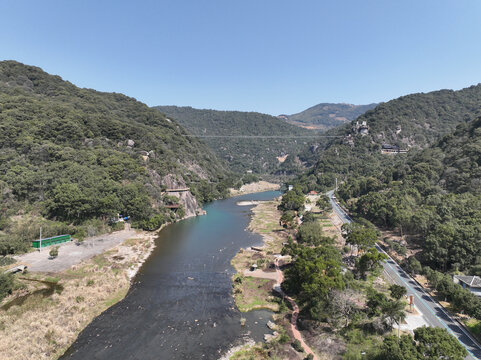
x: 432, y: 311
x: 71, y: 254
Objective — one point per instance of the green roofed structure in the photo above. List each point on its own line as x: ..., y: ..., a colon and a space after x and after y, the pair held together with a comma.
x: 41, y: 243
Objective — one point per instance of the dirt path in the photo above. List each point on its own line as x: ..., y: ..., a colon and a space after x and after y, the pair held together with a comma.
x: 295, y: 313
x: 261, y: 274
x: 70, y: 253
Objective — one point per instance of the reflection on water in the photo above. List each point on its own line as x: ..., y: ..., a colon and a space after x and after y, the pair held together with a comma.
x: 180, y: 305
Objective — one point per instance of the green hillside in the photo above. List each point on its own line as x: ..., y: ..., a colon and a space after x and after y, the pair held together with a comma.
x: 257, y: 154
x: 418, y: 120
x: 73, y: 155
x: 412, y: 122
x: 325, y: 116
x: 435, y: 196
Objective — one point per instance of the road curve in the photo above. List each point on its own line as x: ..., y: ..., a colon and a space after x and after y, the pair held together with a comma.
x: 432, y: 311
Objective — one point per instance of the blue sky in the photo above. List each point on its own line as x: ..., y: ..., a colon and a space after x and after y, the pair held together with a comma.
x: 271, y: 56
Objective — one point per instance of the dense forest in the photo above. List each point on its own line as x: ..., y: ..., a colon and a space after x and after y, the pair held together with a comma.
x: 411, y: 122
x: 434, y: 195
x: 417, y: 120
x: 325, y: 116
x: 261, y: 155
x: 342, y: 298
x: 74, y: 155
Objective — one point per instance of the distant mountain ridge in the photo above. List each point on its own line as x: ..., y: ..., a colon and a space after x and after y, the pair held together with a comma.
x: 260, y: 155
x: 325, y: 116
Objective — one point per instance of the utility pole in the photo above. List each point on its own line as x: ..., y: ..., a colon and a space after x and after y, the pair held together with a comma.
x: 399, y: 328
x: 336, y: 183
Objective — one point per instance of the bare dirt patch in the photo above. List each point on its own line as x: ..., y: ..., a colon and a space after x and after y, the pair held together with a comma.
x: 255, y: 187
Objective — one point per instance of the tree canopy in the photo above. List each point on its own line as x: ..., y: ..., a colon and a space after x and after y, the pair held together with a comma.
x: 259, y: 155
x: 74, y: 154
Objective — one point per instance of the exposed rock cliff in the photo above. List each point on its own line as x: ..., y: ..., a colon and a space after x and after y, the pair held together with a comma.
x: 188, y: 201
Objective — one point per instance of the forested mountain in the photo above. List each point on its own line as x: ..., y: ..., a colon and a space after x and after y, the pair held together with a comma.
x: 411, y: 122
x: 74, y: 154
x: 435, y: 195
x: 261, y: 155
x: 418, y: 120
x: 325, y: 116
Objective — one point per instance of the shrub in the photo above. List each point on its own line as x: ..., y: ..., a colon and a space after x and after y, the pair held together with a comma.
x: 6, y: 285
x: 296, y: 344
x: 5, y: 260
x: 53, y: 252
x: 284, y: 338
x: 117, y: 226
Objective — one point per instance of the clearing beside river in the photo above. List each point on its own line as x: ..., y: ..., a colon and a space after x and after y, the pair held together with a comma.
x: 45, y: 314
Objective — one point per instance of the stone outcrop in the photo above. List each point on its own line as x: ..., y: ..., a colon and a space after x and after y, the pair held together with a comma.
x: 188, y: 201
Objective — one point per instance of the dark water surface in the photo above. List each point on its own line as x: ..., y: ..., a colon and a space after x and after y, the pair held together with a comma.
x: 180, y: 305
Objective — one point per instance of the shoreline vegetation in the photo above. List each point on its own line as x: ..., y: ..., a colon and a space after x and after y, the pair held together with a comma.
x: 47, y: 311
x: 253, y: 285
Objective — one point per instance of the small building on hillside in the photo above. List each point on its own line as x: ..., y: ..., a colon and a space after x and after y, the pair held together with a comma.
x: 472, y: 283
x: 312, y: 192
x: 392, y: 149
x: 41, y: 243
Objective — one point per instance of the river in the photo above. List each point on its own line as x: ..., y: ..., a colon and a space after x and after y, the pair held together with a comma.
x: 180, y: 304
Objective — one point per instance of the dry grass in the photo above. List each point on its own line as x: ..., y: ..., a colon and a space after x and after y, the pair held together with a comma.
x: 243, y: 259
x: 254, y: 188
x: 43, y: 326
x: 256, y: 352
x: 254, y: 293
x: 266, y: 223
